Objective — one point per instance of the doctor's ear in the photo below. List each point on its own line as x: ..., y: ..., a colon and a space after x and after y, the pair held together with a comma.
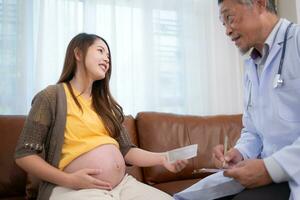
x: 262, y: 4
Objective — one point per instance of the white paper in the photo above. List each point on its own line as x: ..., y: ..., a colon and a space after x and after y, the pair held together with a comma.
x: 182, y: 153
x: 209, y: 188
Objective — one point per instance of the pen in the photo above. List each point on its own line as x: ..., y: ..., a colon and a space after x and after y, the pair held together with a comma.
x: 207, y: 170
x: 225, y: 148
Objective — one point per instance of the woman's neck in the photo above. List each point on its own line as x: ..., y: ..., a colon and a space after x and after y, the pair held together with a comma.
x: 83, y: 86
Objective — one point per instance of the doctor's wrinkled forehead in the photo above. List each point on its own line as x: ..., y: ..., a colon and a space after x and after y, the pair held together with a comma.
x: 269, y: 4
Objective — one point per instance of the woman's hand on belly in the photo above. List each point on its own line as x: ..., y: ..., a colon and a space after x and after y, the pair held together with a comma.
x: 84, y: 179
x: 106, y: 158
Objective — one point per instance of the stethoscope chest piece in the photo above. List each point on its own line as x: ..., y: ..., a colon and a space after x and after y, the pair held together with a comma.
x: 278, y: 82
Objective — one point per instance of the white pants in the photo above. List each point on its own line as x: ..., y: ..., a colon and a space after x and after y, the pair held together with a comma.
x: 128, y: 189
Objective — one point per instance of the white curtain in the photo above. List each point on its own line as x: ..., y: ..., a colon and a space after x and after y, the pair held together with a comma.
x: 167, y: 56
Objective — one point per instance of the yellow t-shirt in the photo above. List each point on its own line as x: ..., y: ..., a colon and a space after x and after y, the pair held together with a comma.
x: 84, y: 130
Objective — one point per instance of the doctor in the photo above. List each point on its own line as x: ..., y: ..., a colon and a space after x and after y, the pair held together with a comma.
x: 266, y: 158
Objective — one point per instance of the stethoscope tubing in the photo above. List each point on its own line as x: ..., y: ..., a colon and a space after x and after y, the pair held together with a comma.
x: 283, y: 49
x: 278, y: 79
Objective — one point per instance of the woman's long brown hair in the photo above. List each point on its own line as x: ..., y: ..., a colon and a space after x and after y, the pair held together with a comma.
x: 103, y: 103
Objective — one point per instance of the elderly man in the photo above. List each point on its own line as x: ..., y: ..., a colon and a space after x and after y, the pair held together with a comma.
x: 266, y: 159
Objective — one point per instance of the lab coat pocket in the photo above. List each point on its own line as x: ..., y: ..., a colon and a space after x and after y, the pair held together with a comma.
x: 288, y: 100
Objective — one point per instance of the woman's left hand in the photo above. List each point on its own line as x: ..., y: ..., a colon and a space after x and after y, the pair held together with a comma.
x: 175, y: 167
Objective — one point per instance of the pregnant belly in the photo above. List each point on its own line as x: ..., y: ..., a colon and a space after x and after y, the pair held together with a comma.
x: 107, y: 157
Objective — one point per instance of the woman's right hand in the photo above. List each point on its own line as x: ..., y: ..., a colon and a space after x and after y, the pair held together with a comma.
x: 83, y: 179
x: 232, y: 157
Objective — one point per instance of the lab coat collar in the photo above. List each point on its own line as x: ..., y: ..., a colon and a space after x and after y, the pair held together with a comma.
x: 278, y: 42
x: 280, y: 36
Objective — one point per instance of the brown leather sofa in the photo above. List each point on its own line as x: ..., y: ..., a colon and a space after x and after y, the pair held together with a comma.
x: 156, y: 132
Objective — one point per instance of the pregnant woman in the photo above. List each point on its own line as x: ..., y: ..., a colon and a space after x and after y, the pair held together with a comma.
x: 73, y: 138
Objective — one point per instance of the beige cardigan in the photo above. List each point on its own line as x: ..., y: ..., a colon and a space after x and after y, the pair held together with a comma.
x: 43, y: 131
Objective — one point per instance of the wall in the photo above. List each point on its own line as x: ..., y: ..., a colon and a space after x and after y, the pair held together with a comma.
x: 288, y: 9
x: 298, y: 10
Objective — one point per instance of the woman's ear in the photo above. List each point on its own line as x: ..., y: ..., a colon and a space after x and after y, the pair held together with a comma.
x: 77, y: 54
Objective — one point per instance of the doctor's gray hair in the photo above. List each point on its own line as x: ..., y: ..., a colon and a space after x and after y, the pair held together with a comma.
x: 270, y: 4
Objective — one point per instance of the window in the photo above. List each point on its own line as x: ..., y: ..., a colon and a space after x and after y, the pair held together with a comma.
x: 166, y: 30
x: 8, y: 61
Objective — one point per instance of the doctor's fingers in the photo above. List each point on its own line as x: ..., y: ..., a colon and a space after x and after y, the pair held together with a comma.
x: 239, y: 175
x: 239, y: 171
x: 233, y: 156
x: 218, y: 163
x: 234, y: 173
x: 218, y: 153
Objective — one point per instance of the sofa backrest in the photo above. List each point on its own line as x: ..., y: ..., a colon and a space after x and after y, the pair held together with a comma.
x: 161, y: 132
x: 151, y: 131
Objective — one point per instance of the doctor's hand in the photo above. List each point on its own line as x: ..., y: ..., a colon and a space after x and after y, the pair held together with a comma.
x: 232, y: 157
x: 250, y: 173
x: 175, y: 167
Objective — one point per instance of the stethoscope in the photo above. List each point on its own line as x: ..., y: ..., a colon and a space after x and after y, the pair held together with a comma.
x: 278, y: 81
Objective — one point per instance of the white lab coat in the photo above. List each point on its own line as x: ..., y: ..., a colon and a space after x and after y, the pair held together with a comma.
x: 272, y: 115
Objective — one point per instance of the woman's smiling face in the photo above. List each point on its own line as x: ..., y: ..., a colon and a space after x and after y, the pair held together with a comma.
x: 97, y: 60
